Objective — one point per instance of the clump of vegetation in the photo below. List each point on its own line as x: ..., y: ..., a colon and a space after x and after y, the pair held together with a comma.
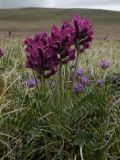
x: 66, y: 105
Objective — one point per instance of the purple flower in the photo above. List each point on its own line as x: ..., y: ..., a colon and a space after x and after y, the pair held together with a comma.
x: 40, y: 56
x: 78, y: 87
x: 1, y: 53
x: 104, y: 64
x: 114, y: 78
x: 83, y: 33
x: 84, y: 80
x: 30, y: 83
x: 80, y: 71
x: 99, y: 82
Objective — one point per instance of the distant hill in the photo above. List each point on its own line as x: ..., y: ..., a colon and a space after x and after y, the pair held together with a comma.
x: 39, y: 19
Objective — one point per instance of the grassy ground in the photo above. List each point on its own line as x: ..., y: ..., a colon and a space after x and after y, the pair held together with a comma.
x: 33, y: 20
x: 32, y: 126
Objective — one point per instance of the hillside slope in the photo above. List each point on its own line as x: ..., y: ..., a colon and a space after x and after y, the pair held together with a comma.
x: 39, y: 19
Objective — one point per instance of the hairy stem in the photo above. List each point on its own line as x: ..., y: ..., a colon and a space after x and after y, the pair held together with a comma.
x: 74, y: 74
x: 66, y: 84
x: 60, y: 86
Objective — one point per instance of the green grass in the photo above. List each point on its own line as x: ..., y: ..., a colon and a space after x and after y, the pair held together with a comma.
x: 35, y: 20
x: 32, y: 125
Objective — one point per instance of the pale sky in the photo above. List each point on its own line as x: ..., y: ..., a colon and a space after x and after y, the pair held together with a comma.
x: 98, y: 4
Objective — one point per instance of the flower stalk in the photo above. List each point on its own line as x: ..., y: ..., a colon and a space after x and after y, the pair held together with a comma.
x: 66, y: 85
x: 60, y: 87
x: 75, y: 69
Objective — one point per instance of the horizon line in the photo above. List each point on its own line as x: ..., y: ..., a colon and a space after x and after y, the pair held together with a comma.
x: 103, y: 9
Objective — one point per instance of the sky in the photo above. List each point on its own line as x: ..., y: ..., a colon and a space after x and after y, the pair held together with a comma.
x: 95, y: 4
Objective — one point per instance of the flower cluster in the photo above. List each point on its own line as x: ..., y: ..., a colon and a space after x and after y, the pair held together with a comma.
x: 82, y: 81
x: 80, y: 71
x: 115, y: 78
x: 78, y: 87
x: 61, y: 42
x: 99, y: 83
x: 1, y: 53
x: 40, y: 57
x: 104, y: 64
x: 44, y: 53
x: 31, y: 82
x: 83, y: 33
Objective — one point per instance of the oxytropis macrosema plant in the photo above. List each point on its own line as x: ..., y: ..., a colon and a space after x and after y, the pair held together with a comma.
x: 49, y: 54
